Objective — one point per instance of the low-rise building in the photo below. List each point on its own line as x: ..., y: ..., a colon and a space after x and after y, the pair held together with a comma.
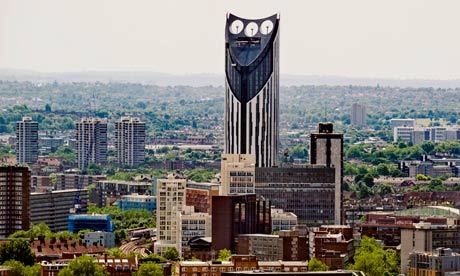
x: 282, y: 220
x: 439, y: 262
x: 193, y: 224
x: 199, y: 195
x: 65, y: 181
x: 106, y: 239
x: 136, y: 201
x: 111, y: 190
x: 95, y: 222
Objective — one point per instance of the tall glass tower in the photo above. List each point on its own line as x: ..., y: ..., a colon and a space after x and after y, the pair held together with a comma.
x: 252, y: 88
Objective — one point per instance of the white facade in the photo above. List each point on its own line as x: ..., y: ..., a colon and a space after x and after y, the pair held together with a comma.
x: 99, y: 238
x: 27, y: 141
x: 237, y: 174
x: 170, y: 203
x: 282, y: 220
x: 402, y: 123
x: 403, y: 134
x: 130, y: 141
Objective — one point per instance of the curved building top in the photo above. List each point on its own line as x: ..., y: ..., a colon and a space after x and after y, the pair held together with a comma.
x: 248, y: 38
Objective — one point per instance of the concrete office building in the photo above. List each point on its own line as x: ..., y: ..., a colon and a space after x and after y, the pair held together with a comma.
x: 402, y: 123
x: 130, y: 141
x: 14, y: 199
x: 91, y: 139
x: 358, y: 115
x: 252, y: 88
x: 237, y: 174
x: 282, y: 220
x: 308, y: 192
x: 66, y: 181
x: 426, y: 237
x: 27, y: 141
x: 326, y: 148
x: 193, y: 224
x: 53, y: 207
x: 439, y: 262
x: 286, y: 246
x: 170, y: 203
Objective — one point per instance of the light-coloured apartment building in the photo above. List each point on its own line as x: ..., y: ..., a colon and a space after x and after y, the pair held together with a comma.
x: 237, y: 174
x: 27, y: 141
x: 130, y: 141
x: 91, y: 139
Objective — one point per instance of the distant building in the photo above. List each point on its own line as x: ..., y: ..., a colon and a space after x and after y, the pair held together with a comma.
x: 233, y: 215
x: 417, y: 135
x: 14, y: 200
x: 91, y: 138
x: 66, y: 181
x: 53, y: 207
x: 136, y: 201
x: 288, y: 188
x: 111, y: 190
x: 130, y: 141
x: 176, y: 164
x: 402, y: 123
x: 403, y: 134
x: 106, y: 239
x: 170, y: 203
x: 237, y: 174
x: 95, y: 222
x: 326, y: 148
x: 27, y: 141
x: 358, y: 115
x: 49, y: 143
x: 282, y: 220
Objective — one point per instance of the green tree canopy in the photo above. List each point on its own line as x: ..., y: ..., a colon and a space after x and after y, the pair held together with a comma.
x: 149, y: 269
x: 171, y: 254
x: 317, y: 265
x: 83, y: 266
x: 224, y: 254
x: 373, y: 260
x: 18, y: 250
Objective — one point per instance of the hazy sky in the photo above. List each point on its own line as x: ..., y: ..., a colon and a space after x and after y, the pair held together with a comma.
x: 387, y: 38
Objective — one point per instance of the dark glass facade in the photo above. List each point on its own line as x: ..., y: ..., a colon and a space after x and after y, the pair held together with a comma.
x: 252, y: 88
x: 308, y: 192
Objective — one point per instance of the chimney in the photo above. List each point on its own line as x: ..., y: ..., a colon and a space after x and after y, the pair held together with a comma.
x: 39, y: 248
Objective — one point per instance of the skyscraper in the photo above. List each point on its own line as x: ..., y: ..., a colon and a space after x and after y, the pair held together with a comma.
x: 91, y: 136
x: 326, y: 148
x: 14, y: 199
x: 358, y: 115
x: 252, y: 88
x: 27, y: 141
x: 130, y: 141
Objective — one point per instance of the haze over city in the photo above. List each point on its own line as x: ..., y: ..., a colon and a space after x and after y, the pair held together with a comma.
x: 376, y: 39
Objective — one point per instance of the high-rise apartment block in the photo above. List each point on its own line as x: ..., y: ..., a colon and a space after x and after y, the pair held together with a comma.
x: 252, y: 88
x: 358, y: 115
x: 237, y: 174
x: 326, y: 148
x: 14, y: 199
x: 91, y: 138
x: 27, y: 141
x: 130, y: 141
x: 170, y: 203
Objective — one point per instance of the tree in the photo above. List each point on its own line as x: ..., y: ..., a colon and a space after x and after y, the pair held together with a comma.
x: 18, y: 250
x: 17, y: 268
x: 83, y: 266
x: 171, y: 254
x: 317, y: 265
x: 149, y: 269
x: 371, y: 259
x: 224, y: 254
x: 115, y: 253
x: 421, y: 177
x: 47, y: 108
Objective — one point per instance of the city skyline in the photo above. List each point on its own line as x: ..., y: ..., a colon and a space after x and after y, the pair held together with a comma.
x: 391, y: 39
